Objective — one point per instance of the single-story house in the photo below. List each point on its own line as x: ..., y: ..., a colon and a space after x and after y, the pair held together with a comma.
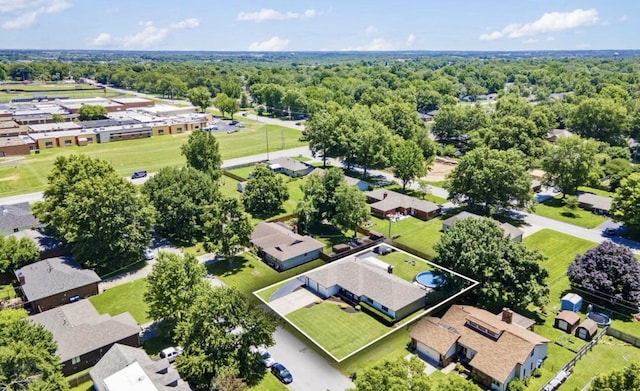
x: 282, y: 248
x: 48, y: 246
x: 83, y: 335
x: 351, y: 181
x: 386, y: 203
x: 360, y: 279
x: 587, y: 329
x: 567, y: 321
x: 496, y: 349
x: 54, y: 282
x: 595, y: 203
x: 127, y: 368
x: 513, y: 232
x: 16, y: 218
x: 291, y: 167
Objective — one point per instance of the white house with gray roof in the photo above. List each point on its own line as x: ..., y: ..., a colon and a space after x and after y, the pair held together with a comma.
x: 360, y: 280
x: 291, y: 167
x: 83, y: 335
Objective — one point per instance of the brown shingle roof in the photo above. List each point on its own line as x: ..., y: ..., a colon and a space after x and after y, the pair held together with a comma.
x: 590, y: 326
x: 282, y: 243
x: 568, y: 316
x: 388, y: 199
x: 441, y: 336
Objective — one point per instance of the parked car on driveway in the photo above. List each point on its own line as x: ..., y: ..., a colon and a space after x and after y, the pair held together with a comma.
x: 148, y: 254
x: 266, y: 358
x: 282, y: 373
x: 171, y: 353
x: 610, y: 232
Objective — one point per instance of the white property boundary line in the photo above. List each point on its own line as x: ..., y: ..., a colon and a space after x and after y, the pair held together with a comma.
x: 395, y: 328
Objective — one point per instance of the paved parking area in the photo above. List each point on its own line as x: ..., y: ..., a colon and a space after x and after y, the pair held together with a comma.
x: 293, y: 301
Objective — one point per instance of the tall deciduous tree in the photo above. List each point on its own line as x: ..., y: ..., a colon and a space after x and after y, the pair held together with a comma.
x: 217, y: 334
x: 626, y: 202
x: 228, y: 227
x: 491, y: 179
x: 202, y: 153
x: 319, y: 201
x: 91, y: 112
x: 625, y: 379
x: 609, y: 269
x: 509, y: 273
x: 200, y: 97
x: 226, y: 104
x: 453, y: 122
x: 265, y: 192
x: 103, y: 218
x: 408, y: 162
x: 181, y: 197
x: 352, y: 208
x: 569, y: 163
x: 28, y: 355
x: 15, y: 253
x: 600, y: 118
x: 322, y: 134
x: 173, y: 285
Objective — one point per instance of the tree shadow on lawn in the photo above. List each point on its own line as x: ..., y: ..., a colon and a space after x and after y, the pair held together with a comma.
x: 227, y: 268
x: 329, y: 232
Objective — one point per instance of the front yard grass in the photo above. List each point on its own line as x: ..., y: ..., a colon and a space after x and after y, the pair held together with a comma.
x: 122, y: 298
x: 553, y: 208
x: 412, y: 232
x: 336, y: 330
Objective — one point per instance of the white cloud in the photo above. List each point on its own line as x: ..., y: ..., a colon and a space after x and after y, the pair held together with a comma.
x: 411, y: 39
x: 623, y: 18
x: 551, y: 39
x: 270, y: 14
x: 370, y: 30
x: 378, y: 44
x: 24, y: 20
x: 103, y: 39
x: 186, y: 24
x: 25, y: 13
x: 150, y: 36
x: 272, y: 45
x: 550, y: 21
x: 531, y: 40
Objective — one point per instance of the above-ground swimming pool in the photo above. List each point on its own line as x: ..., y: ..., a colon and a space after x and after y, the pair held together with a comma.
x: 428, y: 279
x: 600, y: 318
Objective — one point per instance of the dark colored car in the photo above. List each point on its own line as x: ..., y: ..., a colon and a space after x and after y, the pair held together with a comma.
x: 233, y: 122
x: 282, y: 373
x: 610, y: 232
x: 139, y: 174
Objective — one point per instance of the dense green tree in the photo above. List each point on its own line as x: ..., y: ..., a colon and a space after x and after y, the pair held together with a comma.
x: 569, y: 163
x: 626, y: 202
x: 202, y: 153
x: 57, y: 118
x: 491, y: 179
x: 173, y: 285
x: 511, y: 132
x: 625, y: 379
x: 399, y: 117
x: 319, y: 197
x: 200, y: 97
x: 181, y: 196
x: 102, y: 217
x: 28, y: 355
x: 351, y: 208
x: 408, y: 162
x: 509, y: 273
x: 217, y: 335
x: 601, y: 119
x: 226, y: 104
x: 322, y: 133
x: 453, y: 123
x: 227, y: 228
x: 91, y: 112
x: 265, y: 192
x: 15, y: 253
x: 227, y: 379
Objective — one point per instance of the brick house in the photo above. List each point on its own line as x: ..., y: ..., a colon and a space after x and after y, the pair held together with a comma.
x: 386, y: 203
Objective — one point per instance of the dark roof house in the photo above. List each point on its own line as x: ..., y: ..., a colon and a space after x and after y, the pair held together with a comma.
x: 48, y: 246
x: 513, y: 232
x: 83, y: 335
x: 126, y: 367
x: 16, y: 217
x: 54, y: 282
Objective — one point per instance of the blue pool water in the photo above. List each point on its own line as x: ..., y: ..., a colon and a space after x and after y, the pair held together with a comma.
x: 428, y: 279
x: 600, y: 318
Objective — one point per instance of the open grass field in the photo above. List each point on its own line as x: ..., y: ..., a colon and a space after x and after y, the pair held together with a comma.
x: 122, y: 298
x: 16, y: 91
x: 336, y: 330
x: 29, y: 174
x: 553, y: 208
x: 413, y: 232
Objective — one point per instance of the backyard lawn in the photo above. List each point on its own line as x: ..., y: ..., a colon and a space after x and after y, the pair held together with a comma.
x: 338, y: 331
x: 553, y: 208
x: 123, y: 298
x: 413, y: 232
x: 29, y: 174
x: 405, y: 266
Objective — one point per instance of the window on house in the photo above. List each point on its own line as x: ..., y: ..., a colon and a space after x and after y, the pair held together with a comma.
x: 495, y: 383
x: 160, y: 131
x: 75, y: 360
x: 48, y: 144
x: 67, y: 142
x: 384, y: 308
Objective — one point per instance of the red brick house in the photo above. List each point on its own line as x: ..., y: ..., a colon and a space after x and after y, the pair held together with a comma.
x: 386, y: 203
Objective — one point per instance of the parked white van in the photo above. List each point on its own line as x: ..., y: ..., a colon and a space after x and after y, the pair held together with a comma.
x: 171, y: 353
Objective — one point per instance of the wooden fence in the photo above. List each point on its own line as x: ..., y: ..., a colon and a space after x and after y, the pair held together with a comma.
x: 628, y: 338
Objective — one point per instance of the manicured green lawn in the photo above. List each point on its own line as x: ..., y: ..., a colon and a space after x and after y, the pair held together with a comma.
x: 229, y: 187
x: 269, y: 383
x: 243, y: 171
x: 402, y: 268
x: 335, y: 329
x: 390, y: 348
x: 248, y: 273
x: 413, y: 232
x: 599, y: 192
x: 417, y: 194
x: 553, y: 208
x: 30, y: 174
x: 122, y: 298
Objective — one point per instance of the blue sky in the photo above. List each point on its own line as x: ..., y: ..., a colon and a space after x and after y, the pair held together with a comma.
x: 332, y: 25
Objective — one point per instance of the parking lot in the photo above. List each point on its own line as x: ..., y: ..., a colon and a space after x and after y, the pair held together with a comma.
x: 223, y: 126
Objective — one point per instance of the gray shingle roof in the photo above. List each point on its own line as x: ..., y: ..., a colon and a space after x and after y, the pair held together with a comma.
x: 596, y: 201
x: 388, y: 199
x: 282, y: 243
x: 361, y: 279
x: 52, y: 276
x: 77, y: 328
x: 289, y: 164
x: 510, y: 230
x: 17, y: 216
x: 121, y: 356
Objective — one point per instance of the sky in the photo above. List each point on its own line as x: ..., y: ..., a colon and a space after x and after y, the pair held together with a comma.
x: 330, y: 25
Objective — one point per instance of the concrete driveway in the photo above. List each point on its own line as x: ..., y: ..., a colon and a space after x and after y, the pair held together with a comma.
x: 293, y: 301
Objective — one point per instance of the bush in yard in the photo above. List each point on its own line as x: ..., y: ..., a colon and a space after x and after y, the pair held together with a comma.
x: 516, y: 385
x: 609, y: 269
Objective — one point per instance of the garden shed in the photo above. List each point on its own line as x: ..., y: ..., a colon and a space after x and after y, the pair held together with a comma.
x: 567, y: 321
x: 571, y: 302
x: 587, y: 329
